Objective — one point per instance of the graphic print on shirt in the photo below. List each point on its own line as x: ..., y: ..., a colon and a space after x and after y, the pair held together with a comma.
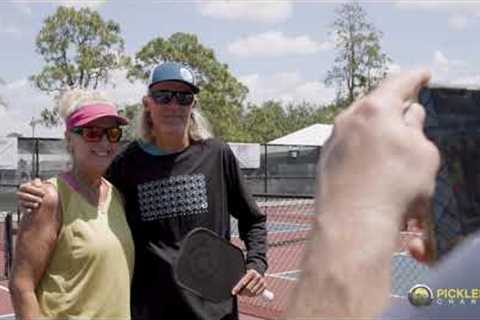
x: 172, y: 197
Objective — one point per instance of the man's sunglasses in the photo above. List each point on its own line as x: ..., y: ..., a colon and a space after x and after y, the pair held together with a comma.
x: 165, y: 96
x: 95, y: 134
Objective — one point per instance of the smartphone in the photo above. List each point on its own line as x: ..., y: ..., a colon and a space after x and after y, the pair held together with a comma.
x: 453, y: 123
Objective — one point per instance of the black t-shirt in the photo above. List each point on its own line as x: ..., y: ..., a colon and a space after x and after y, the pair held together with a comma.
x: 166, y: 196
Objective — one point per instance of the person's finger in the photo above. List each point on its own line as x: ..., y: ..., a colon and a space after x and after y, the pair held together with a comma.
x: 31, y: 200
x: 259, y: 287
x: 24, y: 210
x: 418, y: 249
x: 405, y: 85
x: 415, y: 225
x: 35, y: 190
x: 242, y: 283
x: 28, y: 205
x: 252, y: 283
x: 37, y: 182
x: 415, y: 116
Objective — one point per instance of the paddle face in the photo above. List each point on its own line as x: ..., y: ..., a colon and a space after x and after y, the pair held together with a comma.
x: 208, y: 265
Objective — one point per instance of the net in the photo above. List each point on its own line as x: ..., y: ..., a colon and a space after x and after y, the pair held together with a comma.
x: 289, y: 222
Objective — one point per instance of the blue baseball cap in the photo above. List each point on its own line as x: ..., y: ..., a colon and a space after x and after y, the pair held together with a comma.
x: 173, y: 71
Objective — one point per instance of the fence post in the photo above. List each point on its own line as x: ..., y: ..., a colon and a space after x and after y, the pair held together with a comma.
x: 8, y: 244
x: 37, y: 161
x: 265, y: 164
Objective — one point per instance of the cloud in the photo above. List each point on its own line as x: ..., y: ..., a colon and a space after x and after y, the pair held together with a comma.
x: 443, y: 64
x: 440, y: 61
x: 275, y: 44
x: 26, y: 102
x: 458, y: 6
x: 453, y: 71
x: 8, y: 29
x: 445, y: 70
x: 287, y: 87
x: 122, y: 91
x: 458, y: 22
x: 77, y: 4
x: 23, y: 7
x: 461, y: 12
x: 257, y: 11
x: 393, y: 68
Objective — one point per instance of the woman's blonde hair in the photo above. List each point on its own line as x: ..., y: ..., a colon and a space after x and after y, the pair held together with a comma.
x: 198, y: 130
x: 73, y: 99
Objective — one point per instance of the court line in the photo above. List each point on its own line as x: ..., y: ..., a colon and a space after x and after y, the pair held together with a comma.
x: 281, y: 275
x: 236, y: 235
x: 8, y: 316
x: 291, y: 227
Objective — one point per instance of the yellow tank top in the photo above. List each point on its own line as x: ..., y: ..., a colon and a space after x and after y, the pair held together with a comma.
x: 91, y: 267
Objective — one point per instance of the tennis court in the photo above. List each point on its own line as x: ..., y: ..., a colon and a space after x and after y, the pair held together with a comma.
x: 289, y: 221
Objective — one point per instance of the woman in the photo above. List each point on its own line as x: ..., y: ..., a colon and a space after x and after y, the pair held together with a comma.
x: 176, y: 178
x: 65, y: 251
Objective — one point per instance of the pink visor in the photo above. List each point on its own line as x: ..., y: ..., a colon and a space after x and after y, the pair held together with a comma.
x: 90, y: 112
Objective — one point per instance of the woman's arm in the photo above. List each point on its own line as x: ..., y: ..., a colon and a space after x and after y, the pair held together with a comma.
x: 36, y: 239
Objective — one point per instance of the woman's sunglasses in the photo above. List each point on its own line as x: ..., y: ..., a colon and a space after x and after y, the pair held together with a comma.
x: 95, y: 134
x: 165, y: 97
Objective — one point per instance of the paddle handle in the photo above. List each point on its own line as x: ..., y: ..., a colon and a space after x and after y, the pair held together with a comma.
x: 267, y: 295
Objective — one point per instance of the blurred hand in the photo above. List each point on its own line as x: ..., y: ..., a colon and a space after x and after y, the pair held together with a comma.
x: 378, y: 158
x: 30, y: 195
x: 252, y: 284
x: 420, y: 243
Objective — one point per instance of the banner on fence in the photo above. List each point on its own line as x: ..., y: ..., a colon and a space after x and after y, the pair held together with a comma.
x: 8, y: 153
x: 248, y: 154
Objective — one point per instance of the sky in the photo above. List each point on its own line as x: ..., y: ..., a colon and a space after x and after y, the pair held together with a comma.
x: 280, y: 50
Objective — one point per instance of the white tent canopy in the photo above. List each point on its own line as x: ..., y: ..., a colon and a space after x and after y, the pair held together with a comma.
x: 315, y: 135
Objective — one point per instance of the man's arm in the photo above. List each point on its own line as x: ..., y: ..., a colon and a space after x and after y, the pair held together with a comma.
x: 35, y: 243
x: 251, y: 226
x: 377, y: 167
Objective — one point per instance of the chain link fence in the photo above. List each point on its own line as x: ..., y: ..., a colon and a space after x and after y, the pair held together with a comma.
x: 289, y: 222
x: 284, y: 185
x: 284, y: 169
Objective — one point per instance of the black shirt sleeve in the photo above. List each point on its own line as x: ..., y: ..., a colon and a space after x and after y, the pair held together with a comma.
x: 251, y: 221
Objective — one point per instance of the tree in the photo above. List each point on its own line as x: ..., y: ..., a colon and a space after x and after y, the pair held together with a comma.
x: 80, y: 50
x: 222, y: 95
x: 272, y: 120
x: 360, y: 63
x: 130, y: 111
x: 265, y: 122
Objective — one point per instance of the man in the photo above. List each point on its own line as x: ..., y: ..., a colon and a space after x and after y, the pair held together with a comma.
x: 377, y: 170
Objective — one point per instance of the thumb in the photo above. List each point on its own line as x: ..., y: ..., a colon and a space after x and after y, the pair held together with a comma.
x: 37, y: 182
